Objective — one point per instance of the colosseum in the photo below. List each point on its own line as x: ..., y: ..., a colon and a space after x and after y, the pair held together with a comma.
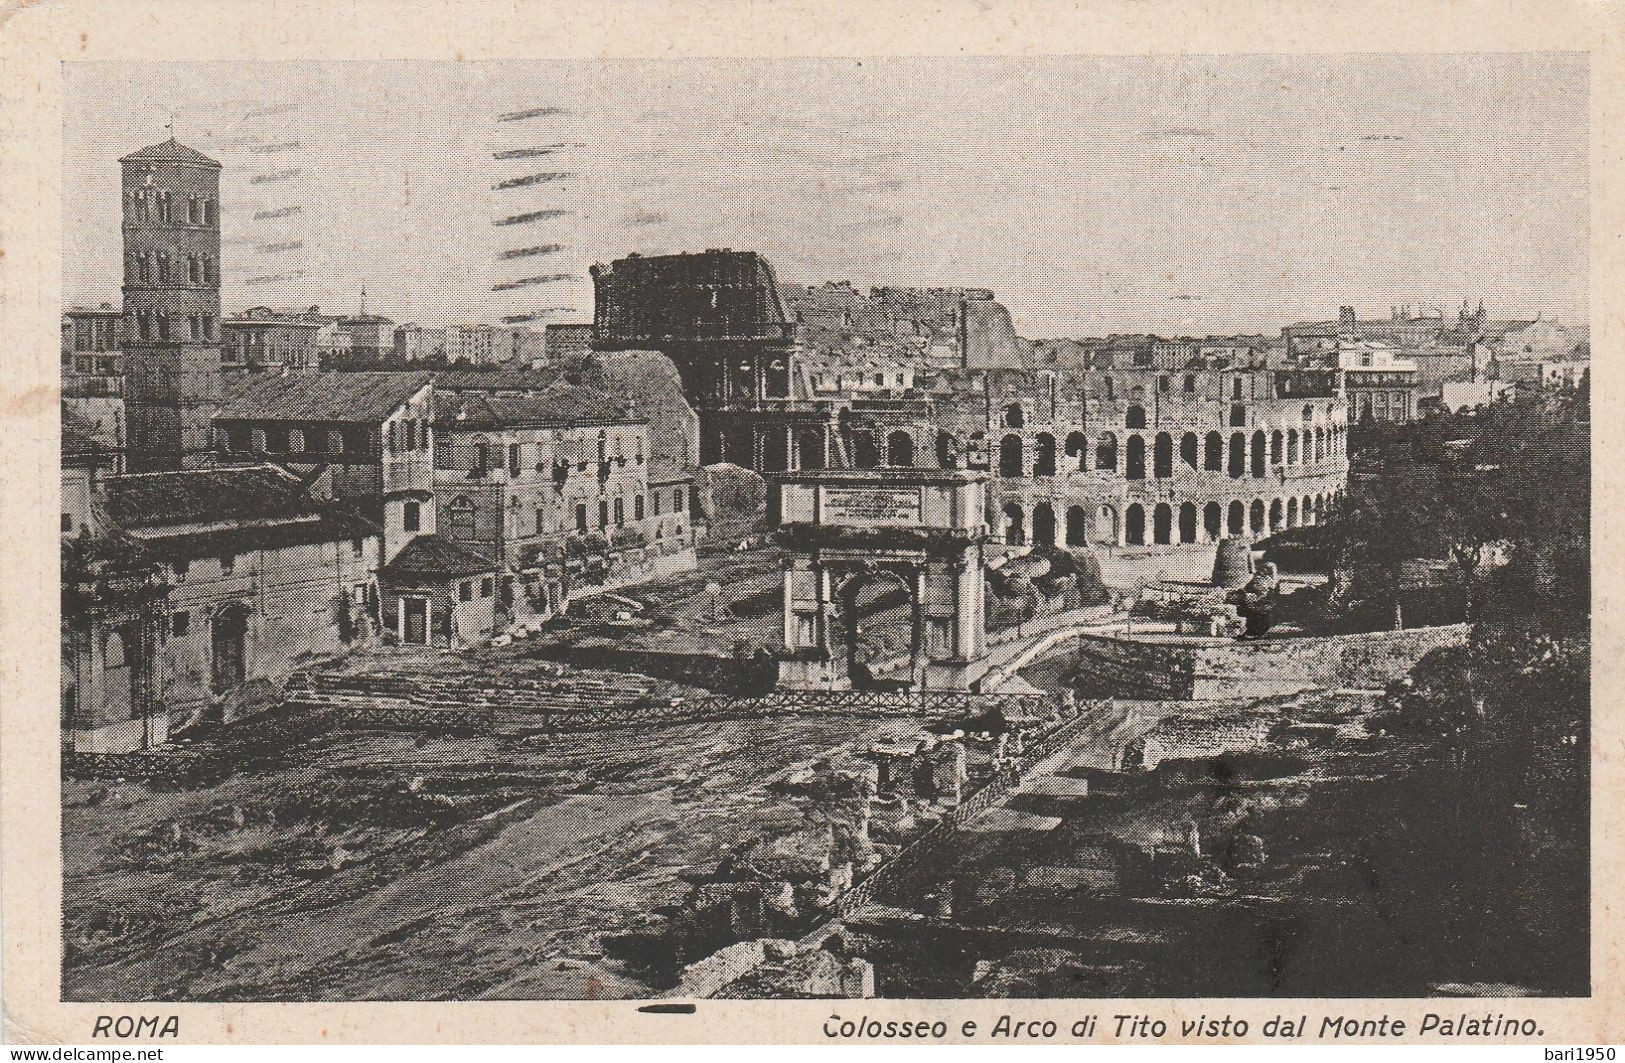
x: 1135, y: 457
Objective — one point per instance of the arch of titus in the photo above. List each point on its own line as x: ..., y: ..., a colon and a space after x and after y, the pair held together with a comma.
x: 842, y: 529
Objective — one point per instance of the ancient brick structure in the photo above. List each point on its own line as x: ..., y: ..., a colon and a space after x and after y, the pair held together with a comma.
x: 171, y: 302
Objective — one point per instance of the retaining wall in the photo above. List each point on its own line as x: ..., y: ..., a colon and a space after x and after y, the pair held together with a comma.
x: 1203, y: 670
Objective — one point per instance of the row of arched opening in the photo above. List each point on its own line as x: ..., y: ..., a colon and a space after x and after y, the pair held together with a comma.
x: 1238, y: 455
x: 1159, y: 524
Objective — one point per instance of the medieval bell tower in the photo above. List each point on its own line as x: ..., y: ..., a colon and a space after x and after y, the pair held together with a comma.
x: 171, y: 229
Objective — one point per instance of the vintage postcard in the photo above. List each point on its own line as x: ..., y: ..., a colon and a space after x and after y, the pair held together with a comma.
x: 710, y: 522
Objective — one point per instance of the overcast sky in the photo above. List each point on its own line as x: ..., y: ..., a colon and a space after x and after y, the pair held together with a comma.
x: 1092, y: 194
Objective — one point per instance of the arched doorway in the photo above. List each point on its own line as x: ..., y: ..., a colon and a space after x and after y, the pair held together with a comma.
x: 1106, y: 531
x: 810, y: 449
x: 947, y: 451
x: 1190, y: 450
x: 1259, y: 443
x: 1162, y: 524
x: 1236, y: 522
x: 1044, y: 524
x: 1015, y: 525
x: 1277, y: 515
x: 1106, y: 453
x: 1077, y: 526
x: 865, y: 451
x: 1044, y: 455
x: 1213, y: 520
x: 1187, y: 522
x: 1011, y: 462
x: 1136, y: 458
x: 1292, y: 513
x: 1213, y: 452
x: 874, y: 624
x: 1162, y: 456
x: 900, y: 449
x: 228, y: 644
x: 1238, y: 455
x: 1255, y: 514
x: 1077, y: 448
x: 1134, y: 525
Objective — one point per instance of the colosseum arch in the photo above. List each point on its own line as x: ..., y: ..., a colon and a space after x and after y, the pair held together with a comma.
x: 1044, y: 524
x: 1107, y: 531
x: 900, y: 449
x: 1213, y: 452
x: 1277, y: 515
x: 1238, y: 455
x: 1187, y: 522
x: 1190, y: 450
x: 1012, y: 462
x: 1255, y: 514
x: 1015, y: 524
x: 1044, y: 455
x: 1292, y: 513
x: 1292, y: 446
x: 1106, y: 453
x: 1077, y: 526
x: 1134, y: 525
x: 1135, y: 470
x: 947, y: 450
x: 1258, y: 454
x: 1077, y: 449
x: 1306, y: 512
x: 1277, y: 447
x: 1162, y: 456
x: 1134, y: 417
x: 1213, y: 521
x: 1236, y: 519
x: 1162, y: 524
x: 1320, y: 444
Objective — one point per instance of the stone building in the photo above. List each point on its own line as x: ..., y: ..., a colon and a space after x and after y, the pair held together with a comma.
x: 171, y: 226
x: 261, y: 340
x: 367, y: 438
x: 194, y: 589
x: 556, y: 484
x: 93, y: 373
x: 721, y: 319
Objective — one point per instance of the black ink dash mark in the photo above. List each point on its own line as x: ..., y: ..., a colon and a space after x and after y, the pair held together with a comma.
x: 535, y: 215
x: 529, y: 282
x: 280, y: 212
x: 274, y: 175
x: 534, y: 112
x: 528, y: 252
x: 529, y: 179
x: 668, y: 1009
x: 532, y: 153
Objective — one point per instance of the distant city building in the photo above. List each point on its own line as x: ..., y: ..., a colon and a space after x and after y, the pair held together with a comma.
x: 264, y: 340
x: 93, y: 372
x: 1378, y: 383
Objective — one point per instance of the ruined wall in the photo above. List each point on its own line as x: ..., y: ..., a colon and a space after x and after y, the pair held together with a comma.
x: 1202, y: 670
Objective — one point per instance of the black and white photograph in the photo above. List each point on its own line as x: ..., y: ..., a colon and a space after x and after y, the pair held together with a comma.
x: 852, y: 528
